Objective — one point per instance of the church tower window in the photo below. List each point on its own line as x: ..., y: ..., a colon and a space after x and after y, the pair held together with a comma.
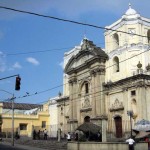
x: 133, y: 93
x: 116, y: 64
x: 116, y: 40
x: 86, y: 87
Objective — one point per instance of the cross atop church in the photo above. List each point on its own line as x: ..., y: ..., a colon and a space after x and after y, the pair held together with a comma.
x: 129, y: 5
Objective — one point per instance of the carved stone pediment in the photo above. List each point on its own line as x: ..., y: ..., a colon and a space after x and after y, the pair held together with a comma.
x: 78, y: 60
x: 116, y: 106
x: 88, y: 54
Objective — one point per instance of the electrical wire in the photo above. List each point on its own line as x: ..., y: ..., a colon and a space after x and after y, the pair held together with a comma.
x: 70, y: 22
x: 82, y: 73
x: 50, y: 50
x: 66, y: 20
x: 96, y: 95
x: 40, y: 51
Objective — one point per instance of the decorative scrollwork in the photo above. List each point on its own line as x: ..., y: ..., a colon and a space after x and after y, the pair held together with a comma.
x: 117, y: 106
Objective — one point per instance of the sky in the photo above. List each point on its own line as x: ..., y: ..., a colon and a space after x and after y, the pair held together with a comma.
x: 34, y: 47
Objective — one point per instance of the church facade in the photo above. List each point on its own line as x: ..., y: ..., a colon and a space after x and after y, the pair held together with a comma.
x: 110, y: 85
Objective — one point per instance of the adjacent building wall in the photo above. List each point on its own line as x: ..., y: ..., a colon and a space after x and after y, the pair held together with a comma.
x: 103, y: 146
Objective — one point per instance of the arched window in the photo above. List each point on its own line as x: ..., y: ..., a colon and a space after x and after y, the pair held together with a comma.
x: 85, y: 87
x: 116, y: 40
x: 116, y: 64
x: 148, y: 36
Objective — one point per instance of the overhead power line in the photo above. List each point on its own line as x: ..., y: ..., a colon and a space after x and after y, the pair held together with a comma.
x: 50, y: 50
x: 40, y: 92
x: 93, y: 94
x: 66, y: 20
x: 40, y: 51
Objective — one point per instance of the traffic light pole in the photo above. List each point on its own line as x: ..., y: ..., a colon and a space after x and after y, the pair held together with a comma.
x: 9, y: 77
x: 17, y: 87
x: 12, y: 120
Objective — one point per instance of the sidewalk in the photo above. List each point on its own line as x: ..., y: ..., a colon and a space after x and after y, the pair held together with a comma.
x: 29, y: 144
x: 22, y: 146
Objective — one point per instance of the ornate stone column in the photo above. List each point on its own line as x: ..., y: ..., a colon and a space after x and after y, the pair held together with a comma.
x: 73, y: 103
x: 98, y: 93
x: 104, y: 128
x: 71, y: 99
x: 103, y: 116
x: 126, y: 106
x: 75, y: 100
x: 93, y: 74
x: 142, y: 100
x: 101, y: 73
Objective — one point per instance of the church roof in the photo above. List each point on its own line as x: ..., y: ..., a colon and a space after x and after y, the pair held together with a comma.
x: 130, y: 11
x: 131, y: 14
x: 89, y: 52
x: 90, y: 46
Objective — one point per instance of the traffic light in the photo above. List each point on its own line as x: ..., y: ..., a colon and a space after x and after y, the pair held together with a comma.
x: 18, y: 82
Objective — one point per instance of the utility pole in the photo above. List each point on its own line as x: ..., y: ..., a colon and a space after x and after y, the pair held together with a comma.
x: 12, y: 120
x: 17, y: 87
x: 12, y: 100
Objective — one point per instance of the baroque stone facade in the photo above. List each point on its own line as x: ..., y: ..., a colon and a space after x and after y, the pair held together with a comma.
x: 104, y: 85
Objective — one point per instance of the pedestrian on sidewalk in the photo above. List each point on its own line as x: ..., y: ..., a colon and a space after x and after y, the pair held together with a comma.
x: 45, y: 134
x: 68, y: 136
x: 131, y: 143
x: 39, y: 134
x: 34, y: 134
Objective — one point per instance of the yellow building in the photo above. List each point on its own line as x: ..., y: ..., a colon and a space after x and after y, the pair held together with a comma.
x: 26, y: 118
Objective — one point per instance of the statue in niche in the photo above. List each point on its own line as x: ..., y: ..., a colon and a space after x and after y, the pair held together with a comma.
x: 86, y: 102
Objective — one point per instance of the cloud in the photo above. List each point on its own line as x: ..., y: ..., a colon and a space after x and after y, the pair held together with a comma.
x: 27, y: 5
x: 32, y: 61
x: 70, y: 8
x: 17, y: 66
x: 76, y: 8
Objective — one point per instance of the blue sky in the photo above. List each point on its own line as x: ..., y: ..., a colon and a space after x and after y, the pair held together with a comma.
x: 21, y: 34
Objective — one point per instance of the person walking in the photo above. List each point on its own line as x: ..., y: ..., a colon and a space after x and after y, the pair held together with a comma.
x: 39, y: 134
x: 68, y: 136
x: 131, y: 143
x: 34, y: 134
x: 45, y: 134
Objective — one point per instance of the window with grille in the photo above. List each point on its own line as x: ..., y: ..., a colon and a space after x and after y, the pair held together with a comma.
x: 133, y: 93
x: 23, y: 126
x: 43, y: 124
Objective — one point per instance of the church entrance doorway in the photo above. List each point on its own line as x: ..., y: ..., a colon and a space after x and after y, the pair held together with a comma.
x: 118, y: 124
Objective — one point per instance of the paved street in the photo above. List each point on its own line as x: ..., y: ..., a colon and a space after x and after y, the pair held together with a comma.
x: 30, y: 144
x: 8, y: 147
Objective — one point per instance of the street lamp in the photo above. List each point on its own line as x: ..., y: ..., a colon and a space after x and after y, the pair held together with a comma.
x: 130, y: 114
x: 12, y: 99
